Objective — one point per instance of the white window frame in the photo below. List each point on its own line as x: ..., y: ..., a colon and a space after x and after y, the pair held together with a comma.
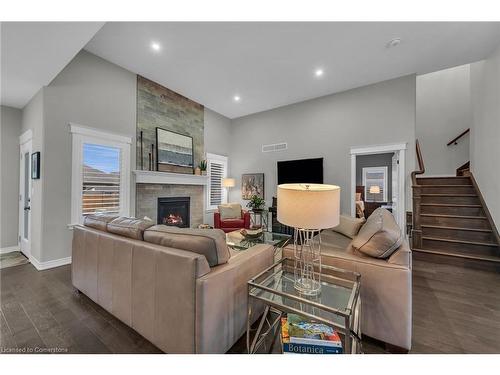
x: 80, y: 136
x: 222, y: 160
x: 384, y: 170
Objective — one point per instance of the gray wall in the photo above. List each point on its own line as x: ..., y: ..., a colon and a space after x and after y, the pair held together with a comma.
x: 326, y: 127
x: 376, y: 160
x: 91, y: 92
x: 485, y: 133
x: 10, y: 130
x: 443, y: 112
x: 33, y: 119
x: 217, y: 133
x: 217, y: 141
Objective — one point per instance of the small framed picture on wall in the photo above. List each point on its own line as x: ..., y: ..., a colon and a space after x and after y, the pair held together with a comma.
x: 35, y: 165
x: 252, y: 184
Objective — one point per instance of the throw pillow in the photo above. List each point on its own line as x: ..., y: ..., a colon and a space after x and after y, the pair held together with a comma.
x: 380, y: 236
x: 99, y: 221
x: 208, y: 242
x: 349, y: 226
x: 129, y: 227
x: 230, y: 211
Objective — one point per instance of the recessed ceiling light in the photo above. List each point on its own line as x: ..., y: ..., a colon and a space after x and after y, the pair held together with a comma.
x: 155, y: 46
x: 236, y: 98
x: 393, y: 43
x: 319, y: 72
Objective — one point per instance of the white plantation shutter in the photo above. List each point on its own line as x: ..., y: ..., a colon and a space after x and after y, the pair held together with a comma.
x: 217, y: 170
x: 375, y: 176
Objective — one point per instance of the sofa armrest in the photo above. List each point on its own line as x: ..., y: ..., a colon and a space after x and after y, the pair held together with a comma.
x: 221, y: 299
x: 246, y: 218
x: 217, y: 219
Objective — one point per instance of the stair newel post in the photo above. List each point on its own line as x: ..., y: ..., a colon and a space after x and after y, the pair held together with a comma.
x: 417, y: 228
x: 416, y: 233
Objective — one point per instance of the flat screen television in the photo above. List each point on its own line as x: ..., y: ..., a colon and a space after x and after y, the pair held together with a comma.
x: 300, y: 171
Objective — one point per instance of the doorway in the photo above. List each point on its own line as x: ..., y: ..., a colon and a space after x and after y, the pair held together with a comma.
x: 378, y: 180
x: 25, y: 194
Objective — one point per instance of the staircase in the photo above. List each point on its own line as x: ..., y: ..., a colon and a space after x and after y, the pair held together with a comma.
x: 451, y: 221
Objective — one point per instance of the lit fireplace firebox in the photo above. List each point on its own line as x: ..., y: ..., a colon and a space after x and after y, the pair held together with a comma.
x: 174, y: 211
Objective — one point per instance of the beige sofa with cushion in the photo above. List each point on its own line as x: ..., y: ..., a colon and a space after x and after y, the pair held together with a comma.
x: 386, y: 284
x: 182, y: 289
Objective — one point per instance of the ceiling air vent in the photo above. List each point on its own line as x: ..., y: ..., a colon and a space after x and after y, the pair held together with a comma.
x: 275, y: 147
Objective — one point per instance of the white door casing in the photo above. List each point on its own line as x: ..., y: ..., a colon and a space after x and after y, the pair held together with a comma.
x: 400, y: 151
x: 25, y: 193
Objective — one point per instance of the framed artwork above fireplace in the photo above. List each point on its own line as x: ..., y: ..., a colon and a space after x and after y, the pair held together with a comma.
x: 173, y: 149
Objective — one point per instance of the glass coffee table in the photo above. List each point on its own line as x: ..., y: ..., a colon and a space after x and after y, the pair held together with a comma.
x: 338, y: 305
x: 238, y: 242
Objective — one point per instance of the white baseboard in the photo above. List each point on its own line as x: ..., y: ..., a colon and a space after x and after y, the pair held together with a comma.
x: 40, y: 266
x: 10, y: 249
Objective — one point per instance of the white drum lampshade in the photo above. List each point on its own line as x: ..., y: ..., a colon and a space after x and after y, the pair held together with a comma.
x: 228, y: 182
x: 374, y: 189
x: 309, y: 206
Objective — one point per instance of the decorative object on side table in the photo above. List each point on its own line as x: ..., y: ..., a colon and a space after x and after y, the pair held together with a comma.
x: 205, y: 226
x: 249, y: 233
x: 35, y: 165
x: 308, y: 208
x: 252, y: 184
x: 256, y: 203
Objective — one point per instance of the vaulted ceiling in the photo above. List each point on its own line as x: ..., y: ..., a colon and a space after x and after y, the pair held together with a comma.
x: 266, y: 65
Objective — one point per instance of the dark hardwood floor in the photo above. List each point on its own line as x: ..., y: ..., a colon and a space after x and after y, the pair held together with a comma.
x: 455, y: 310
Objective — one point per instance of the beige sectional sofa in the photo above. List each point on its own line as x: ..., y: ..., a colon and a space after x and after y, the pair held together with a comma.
x: 181, y: 289
x: 386, y: 279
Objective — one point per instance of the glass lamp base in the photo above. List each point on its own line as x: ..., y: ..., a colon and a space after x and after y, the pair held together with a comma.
x: 307, y: 287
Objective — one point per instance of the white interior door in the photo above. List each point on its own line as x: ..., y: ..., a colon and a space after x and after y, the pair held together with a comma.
x: 25, y: 199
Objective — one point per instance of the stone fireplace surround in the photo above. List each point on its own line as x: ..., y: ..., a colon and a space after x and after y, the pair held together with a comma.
x: 147, y: 195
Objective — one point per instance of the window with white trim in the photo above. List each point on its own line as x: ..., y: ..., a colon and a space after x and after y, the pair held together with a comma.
x: 217, y: 170
x: 100, y: 174
x: 375, y: 183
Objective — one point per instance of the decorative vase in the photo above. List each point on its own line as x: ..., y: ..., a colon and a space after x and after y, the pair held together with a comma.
x: 197, y: 171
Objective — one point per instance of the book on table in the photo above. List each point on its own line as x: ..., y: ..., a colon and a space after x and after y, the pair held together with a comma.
x: 300, y: 335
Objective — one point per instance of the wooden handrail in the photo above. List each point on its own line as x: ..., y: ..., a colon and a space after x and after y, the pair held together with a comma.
x: 454, y: 140
x: 421, y: 166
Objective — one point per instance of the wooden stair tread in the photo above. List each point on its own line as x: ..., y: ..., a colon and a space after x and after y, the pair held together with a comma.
x: 457, y: 228
x: 448, y: 195
x: 450, y: 177
x: 455, y: 216
x: 451, y: 205
x: 440, y: 186
x: 465, y: 242
x: 488, y: 258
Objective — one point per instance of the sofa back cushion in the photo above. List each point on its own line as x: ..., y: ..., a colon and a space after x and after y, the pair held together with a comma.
x: 129, y: 227
x: 380, y: 236
x: 208, y: 242
x: 349, y: 226
x: 99, y: 221
x: 230, y: 211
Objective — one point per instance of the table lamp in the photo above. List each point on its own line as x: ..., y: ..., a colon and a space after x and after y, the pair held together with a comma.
x: 374, y: 189
x: 308, y: 208
x: 228, y: 182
